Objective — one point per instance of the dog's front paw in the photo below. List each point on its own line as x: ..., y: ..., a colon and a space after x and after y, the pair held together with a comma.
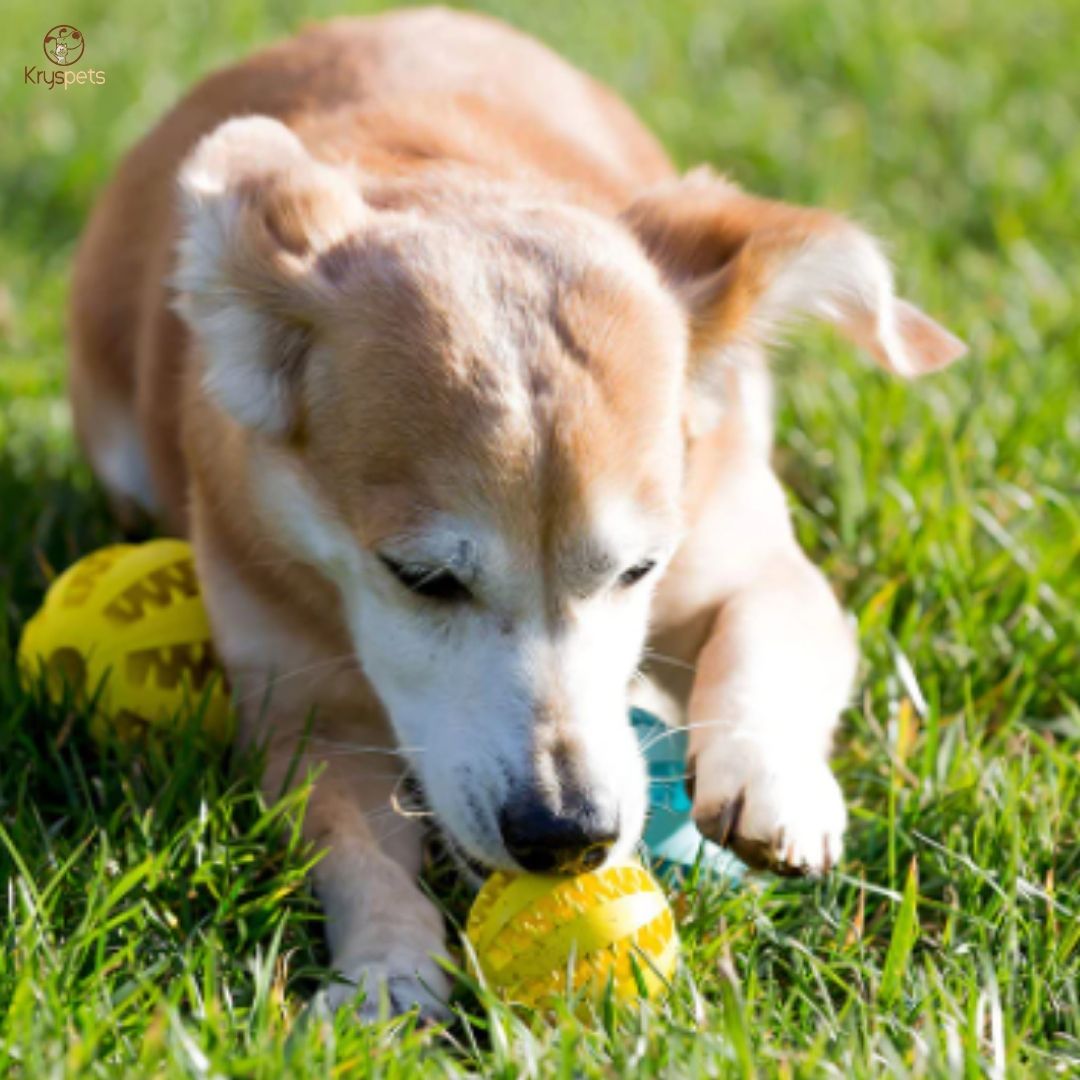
x: 397, y: 983
x: 775, y: 807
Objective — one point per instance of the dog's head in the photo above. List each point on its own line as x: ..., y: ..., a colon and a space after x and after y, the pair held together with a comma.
x: 469, y: 410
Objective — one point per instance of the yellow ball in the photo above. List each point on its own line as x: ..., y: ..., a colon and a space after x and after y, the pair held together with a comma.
x: 536, y: 936
x: 129, y: 620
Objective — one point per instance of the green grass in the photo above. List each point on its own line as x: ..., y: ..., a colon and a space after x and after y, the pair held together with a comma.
x: 149, y: 927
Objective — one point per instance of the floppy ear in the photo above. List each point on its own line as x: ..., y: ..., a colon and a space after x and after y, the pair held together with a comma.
x: 747, y: 267
x: 257, y: 214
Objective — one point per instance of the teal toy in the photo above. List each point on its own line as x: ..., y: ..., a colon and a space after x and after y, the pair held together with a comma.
x: 671, y: 837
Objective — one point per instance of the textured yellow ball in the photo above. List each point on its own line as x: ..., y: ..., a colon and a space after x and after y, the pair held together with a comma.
x: 129, y: 620
x: 536, y: 936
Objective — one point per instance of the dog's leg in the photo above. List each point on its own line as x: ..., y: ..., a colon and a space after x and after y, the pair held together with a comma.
x: 771, y: 680
x: 775, y: 669
x: 384, y: 933
x: 305, y: 704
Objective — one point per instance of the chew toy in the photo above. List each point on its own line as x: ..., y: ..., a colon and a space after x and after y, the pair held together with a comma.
x: 125, y: 628
x: 536, y: 936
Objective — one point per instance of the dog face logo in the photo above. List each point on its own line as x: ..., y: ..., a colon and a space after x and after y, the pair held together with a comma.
x: 64, y: 45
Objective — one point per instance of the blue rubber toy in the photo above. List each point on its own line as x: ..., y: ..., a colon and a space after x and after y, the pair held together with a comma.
x: 671, y: 837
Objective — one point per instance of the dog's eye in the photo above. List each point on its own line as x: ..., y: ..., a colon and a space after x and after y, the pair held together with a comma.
x: 636, y: 573
x: 431, y: 582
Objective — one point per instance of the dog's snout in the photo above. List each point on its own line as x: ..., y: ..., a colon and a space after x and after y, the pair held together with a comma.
x: 546, y: 842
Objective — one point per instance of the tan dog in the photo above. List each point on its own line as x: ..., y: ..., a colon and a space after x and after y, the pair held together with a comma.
x: 462, y: 397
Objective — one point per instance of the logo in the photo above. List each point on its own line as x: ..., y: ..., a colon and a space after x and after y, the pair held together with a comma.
x: 64, y: 45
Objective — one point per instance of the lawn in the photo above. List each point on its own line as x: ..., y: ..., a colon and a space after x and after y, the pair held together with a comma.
x: 148, y: 926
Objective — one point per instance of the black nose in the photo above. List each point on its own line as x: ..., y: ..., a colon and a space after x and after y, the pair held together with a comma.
x: 545, y: 842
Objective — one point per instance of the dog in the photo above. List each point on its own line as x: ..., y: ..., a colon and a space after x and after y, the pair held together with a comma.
x: 461, y: 394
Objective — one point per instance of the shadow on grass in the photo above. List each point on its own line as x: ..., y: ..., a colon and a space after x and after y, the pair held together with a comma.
x: 53, y: 513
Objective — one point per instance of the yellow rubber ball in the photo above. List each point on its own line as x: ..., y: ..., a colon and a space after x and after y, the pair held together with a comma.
x: 127, y: 626
x: 536, y: 936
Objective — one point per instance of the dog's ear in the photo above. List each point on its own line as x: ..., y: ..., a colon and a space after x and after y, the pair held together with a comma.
x: 260, y: 222
x: 746, y: 267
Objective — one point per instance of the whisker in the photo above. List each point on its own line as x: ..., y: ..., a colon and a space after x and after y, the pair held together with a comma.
x: 383, y: 812
x: 408, y: 811
x: 390, y: 834
x: 284, y: 560
x: 671, y: 661
x: 379, y: 812
x: 369, y: 775
x: 656, y: 737
x: 697, y: 724
x: 274, y: 680
x: 671, y: 729
x: 347, y: 747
